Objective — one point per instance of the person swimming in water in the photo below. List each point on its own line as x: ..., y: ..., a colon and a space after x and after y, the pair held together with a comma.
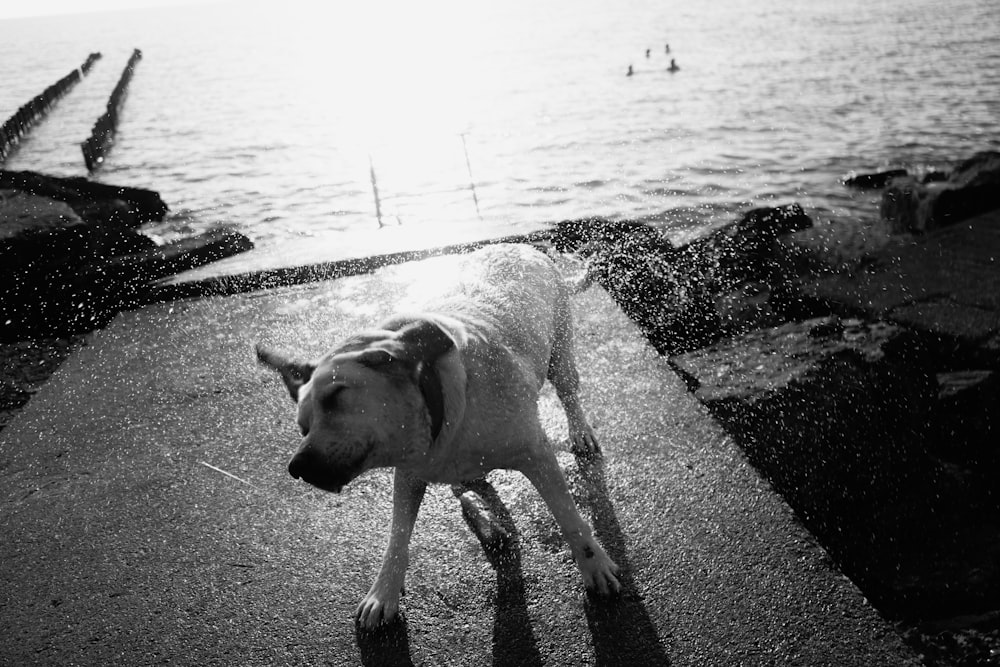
x: 673, y: 66
x: 629, y: 72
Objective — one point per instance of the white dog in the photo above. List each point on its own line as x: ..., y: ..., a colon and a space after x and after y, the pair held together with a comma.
x: 447, y: 395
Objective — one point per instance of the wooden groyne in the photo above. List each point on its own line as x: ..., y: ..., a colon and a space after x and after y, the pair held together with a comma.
x: 102, y: 136
x: 15, y: 127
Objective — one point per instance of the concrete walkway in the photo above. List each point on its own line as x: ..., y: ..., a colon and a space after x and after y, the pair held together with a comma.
x: 147, y: 516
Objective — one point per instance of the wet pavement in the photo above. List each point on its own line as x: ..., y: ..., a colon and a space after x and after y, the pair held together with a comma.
x: 147, y: 516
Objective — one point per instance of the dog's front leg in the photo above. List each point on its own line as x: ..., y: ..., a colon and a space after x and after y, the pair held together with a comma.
x: 382, y: 601
x: 596, y: 567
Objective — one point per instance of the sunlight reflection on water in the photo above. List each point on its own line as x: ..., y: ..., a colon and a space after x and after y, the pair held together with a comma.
x: 268, y: 119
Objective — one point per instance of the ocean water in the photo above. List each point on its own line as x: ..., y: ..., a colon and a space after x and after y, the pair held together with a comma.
x: 480, y: 119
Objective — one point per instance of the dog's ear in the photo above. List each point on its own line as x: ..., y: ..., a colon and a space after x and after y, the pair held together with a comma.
x: 416, y: 344
x: 439, y: 373
x: 294, y: 373
x: 424, y: 341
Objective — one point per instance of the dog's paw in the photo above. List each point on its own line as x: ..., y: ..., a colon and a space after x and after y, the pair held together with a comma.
x: 377, y: 607
x: 582, y: 440
x: 598, y: 570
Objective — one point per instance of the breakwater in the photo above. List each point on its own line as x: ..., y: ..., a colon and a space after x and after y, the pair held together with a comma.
x: 858, y: 370
x: 18, y: 125
x: 96, y: 147
x: 71, y: 256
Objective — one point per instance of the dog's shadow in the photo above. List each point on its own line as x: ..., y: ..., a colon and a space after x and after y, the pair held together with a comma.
x: 513, y: 638
x: 386, y: 646
x: 623, y: 632
x: 621, y: 628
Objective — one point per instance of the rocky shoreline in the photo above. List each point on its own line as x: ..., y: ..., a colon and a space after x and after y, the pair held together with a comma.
x: 71, y: 255
x: 856, y: 368
x: 858, y: 371
x: 70, y: 259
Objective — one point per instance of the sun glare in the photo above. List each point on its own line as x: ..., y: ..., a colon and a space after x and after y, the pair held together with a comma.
x: 406, y: 66
x: 392, y: 81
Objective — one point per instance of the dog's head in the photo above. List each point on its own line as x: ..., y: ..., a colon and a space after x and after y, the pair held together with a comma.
x: 382, y: 398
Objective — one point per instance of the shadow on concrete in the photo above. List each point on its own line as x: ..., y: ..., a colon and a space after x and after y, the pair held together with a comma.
x: 514, y: 642
x: 386, y: 646
x: 623, y: 632
x: 621, y: 628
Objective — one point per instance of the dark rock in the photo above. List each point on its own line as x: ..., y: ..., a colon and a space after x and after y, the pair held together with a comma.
x: 905, y: 205
x: 935, y: 176
x: 79, y: 295
x: 966, y: 418
x: 655, y: 287
x: 12, y: 397
x: 36, y: 229
x: 832, y: 247
x: 973, y: 188
x: 154, y: 263
x: 874, y: 180
x: 70, y: 260
x: 584, y: 235
x: 944, y: 283
x: 832, y: 412
x: 143, y: 205
x: 117, y: 242
x: 108, y: 212
x: 38, y: 233
x: 746, y: 250
x: 687, y: 296
x: 746, y: 308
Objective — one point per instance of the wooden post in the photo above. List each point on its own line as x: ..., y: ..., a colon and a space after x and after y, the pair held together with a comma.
x: 378, y: 204
x: 472, y: 181
x: 17, y: 126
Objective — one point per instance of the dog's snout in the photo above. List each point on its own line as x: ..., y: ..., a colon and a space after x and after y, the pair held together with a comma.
x: 302, y: 463
x: 313, y: 467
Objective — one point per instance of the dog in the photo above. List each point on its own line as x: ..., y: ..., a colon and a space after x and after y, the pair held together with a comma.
x: 445, y: 395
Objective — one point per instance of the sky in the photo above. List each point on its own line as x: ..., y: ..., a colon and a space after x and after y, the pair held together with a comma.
x: 10, y: 10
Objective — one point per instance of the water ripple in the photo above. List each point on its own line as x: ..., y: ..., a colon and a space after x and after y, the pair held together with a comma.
x: 250, y: 118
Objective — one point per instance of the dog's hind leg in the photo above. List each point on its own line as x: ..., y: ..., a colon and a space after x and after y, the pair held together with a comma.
x: 480, y: 515
x: 382, y: 601
x: 598, y: 570
x: 564, y: 377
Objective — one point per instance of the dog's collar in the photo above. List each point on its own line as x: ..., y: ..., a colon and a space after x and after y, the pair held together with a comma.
x: 426, y: 342
x: 429, y: 382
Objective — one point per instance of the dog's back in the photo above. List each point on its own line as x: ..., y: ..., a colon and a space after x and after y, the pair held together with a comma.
x: 512, y: 295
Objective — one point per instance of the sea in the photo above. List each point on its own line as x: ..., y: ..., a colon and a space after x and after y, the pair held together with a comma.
x: 350, y: 127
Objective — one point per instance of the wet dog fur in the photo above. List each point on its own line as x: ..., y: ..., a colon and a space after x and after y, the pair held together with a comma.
x: 445, y: 395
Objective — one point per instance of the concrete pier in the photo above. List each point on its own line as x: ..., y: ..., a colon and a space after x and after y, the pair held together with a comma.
x: 148, y: 516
